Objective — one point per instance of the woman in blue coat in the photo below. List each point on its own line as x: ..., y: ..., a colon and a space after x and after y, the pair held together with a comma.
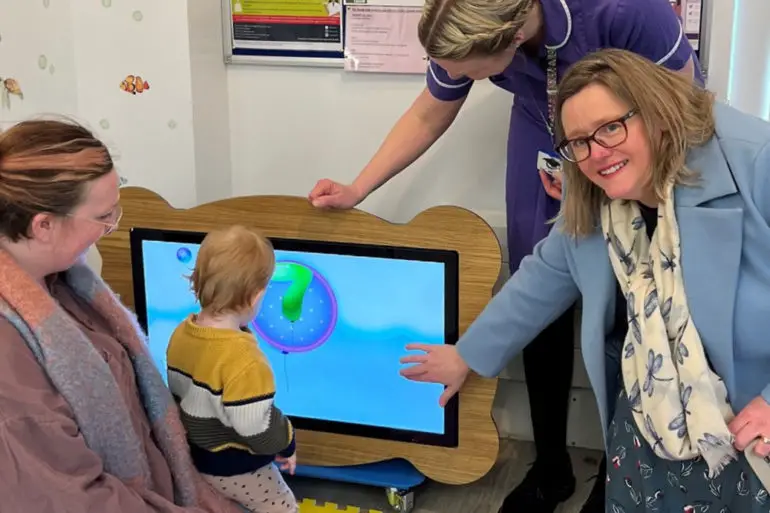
x: 665, y: 235
x: 524, y: 47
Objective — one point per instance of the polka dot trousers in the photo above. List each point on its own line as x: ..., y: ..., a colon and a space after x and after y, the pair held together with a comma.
x: 261, y: 491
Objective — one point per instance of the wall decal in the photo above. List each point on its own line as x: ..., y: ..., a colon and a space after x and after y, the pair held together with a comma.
x: 51, y: 69
x: 46, y: 3
x: 107, y: 3
x: 8, y: 87
x: 104, y: 123
x: 138, y: 16
x: 134, y: 84
x: 171, y: 124
x: 42, y: 62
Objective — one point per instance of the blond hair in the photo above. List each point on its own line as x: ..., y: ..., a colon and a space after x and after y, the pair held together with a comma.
x: 456, y: 29
x: 677, y: 115
x: 233, y: 266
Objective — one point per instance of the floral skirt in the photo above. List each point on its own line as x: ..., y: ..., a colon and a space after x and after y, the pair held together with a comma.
x: 639, y: 481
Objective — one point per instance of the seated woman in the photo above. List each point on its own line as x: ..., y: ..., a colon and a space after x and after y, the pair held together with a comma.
x: 665, y: 234
x: 86, y: 421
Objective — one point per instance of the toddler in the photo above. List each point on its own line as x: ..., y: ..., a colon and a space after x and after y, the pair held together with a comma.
x: 223, y: 382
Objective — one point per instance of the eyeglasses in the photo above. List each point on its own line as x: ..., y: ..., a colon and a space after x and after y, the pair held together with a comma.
x: 110, y: 221
x: 609, y: 135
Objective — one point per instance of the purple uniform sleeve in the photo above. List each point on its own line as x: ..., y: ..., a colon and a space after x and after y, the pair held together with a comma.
x: 651, y: 29
x: 443, y: 87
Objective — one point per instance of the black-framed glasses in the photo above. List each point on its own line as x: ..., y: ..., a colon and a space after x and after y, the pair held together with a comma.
x: 609, y: 135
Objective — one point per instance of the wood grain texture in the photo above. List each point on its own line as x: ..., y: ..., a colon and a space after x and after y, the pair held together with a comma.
x: 443, y: 227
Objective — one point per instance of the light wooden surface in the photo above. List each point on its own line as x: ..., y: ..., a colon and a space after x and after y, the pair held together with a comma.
x: 443, y: 227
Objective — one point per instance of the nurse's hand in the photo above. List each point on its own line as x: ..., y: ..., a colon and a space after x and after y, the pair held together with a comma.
x: 752, y: 423
x: 330, y: 194
x: 438, y: 364
x: 552, y: 184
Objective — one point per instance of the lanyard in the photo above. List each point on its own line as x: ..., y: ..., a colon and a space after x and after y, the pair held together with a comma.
x: 551, y: 88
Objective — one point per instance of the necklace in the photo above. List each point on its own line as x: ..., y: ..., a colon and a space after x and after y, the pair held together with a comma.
x: 551, y: 88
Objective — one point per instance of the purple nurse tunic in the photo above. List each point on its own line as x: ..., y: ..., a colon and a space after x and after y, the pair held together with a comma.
x: 574, y: 28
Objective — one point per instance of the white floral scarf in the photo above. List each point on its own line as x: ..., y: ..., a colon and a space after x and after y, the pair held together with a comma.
x: 678, y: 402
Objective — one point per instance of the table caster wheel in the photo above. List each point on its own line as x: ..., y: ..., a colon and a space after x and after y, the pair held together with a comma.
x: 400, y: 500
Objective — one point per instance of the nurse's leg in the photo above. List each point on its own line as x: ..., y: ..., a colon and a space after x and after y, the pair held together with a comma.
x: 548, y: 364
x: 548, y: 359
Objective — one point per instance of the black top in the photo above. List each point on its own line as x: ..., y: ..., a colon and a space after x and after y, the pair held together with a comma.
x: 620, y: 328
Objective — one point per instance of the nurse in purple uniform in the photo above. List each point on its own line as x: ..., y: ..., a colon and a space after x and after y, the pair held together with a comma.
x: 523, y: 46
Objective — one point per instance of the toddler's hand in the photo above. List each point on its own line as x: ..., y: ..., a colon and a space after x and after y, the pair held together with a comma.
x: 289, y: 463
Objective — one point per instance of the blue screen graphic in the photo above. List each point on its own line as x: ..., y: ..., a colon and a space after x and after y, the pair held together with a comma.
x: 333, y: 327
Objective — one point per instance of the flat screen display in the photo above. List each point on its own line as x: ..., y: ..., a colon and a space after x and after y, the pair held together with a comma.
x: 334, y: 322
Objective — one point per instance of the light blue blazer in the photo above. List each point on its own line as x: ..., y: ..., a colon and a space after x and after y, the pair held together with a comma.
x: 724, y: 225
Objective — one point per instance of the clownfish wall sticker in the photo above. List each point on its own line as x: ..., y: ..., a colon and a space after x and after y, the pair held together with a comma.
x: 134, y: 84
x: 9, y: 87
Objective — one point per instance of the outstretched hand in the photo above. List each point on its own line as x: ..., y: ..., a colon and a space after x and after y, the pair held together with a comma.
x: 437, y: 364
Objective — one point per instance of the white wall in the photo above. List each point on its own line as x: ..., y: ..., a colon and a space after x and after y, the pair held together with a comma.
x: 70, y: 57
x: 749, y: 86
x: 293, y: 126
x: 36, y: 50
x: 739, y: 54
x: 113, y: 42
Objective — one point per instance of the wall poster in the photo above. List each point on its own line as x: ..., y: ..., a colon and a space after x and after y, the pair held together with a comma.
x: 300, y: 30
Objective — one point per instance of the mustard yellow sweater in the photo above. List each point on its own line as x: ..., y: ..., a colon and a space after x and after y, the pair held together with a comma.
x: 225, y: 388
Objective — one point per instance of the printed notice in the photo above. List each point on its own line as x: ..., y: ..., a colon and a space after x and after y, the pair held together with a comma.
x: 299, y: 25
x: 691, y: 16
x: 383, y: 39
x: 690, y: 12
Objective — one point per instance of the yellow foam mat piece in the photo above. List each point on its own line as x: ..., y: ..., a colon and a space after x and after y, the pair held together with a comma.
x: 310, y: 506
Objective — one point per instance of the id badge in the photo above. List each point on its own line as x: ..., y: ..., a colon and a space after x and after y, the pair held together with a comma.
x: 549, y: 163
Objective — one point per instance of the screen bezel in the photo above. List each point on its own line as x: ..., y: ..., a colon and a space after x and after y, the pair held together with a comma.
x: 450, y: 259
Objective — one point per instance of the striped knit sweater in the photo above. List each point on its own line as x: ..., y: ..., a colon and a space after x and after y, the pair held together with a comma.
x: 225, y: 389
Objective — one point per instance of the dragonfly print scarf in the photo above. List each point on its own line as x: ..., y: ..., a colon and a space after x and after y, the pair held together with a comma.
x: 679, y: 403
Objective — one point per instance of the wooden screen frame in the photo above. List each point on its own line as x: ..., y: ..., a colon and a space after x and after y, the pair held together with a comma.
x: 442, y: 227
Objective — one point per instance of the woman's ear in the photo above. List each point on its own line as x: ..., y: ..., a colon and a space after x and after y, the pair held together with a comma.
x: 42, y: 227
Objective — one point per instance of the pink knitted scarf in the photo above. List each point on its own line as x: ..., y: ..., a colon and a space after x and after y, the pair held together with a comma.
x: 84, y: 379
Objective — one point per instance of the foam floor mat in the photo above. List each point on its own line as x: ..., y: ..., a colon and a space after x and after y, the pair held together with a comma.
x: 311, y: 506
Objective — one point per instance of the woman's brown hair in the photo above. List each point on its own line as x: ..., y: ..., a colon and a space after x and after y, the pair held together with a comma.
x: 456, y: 29
x: 677, y: 115
x: 45, y: 166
